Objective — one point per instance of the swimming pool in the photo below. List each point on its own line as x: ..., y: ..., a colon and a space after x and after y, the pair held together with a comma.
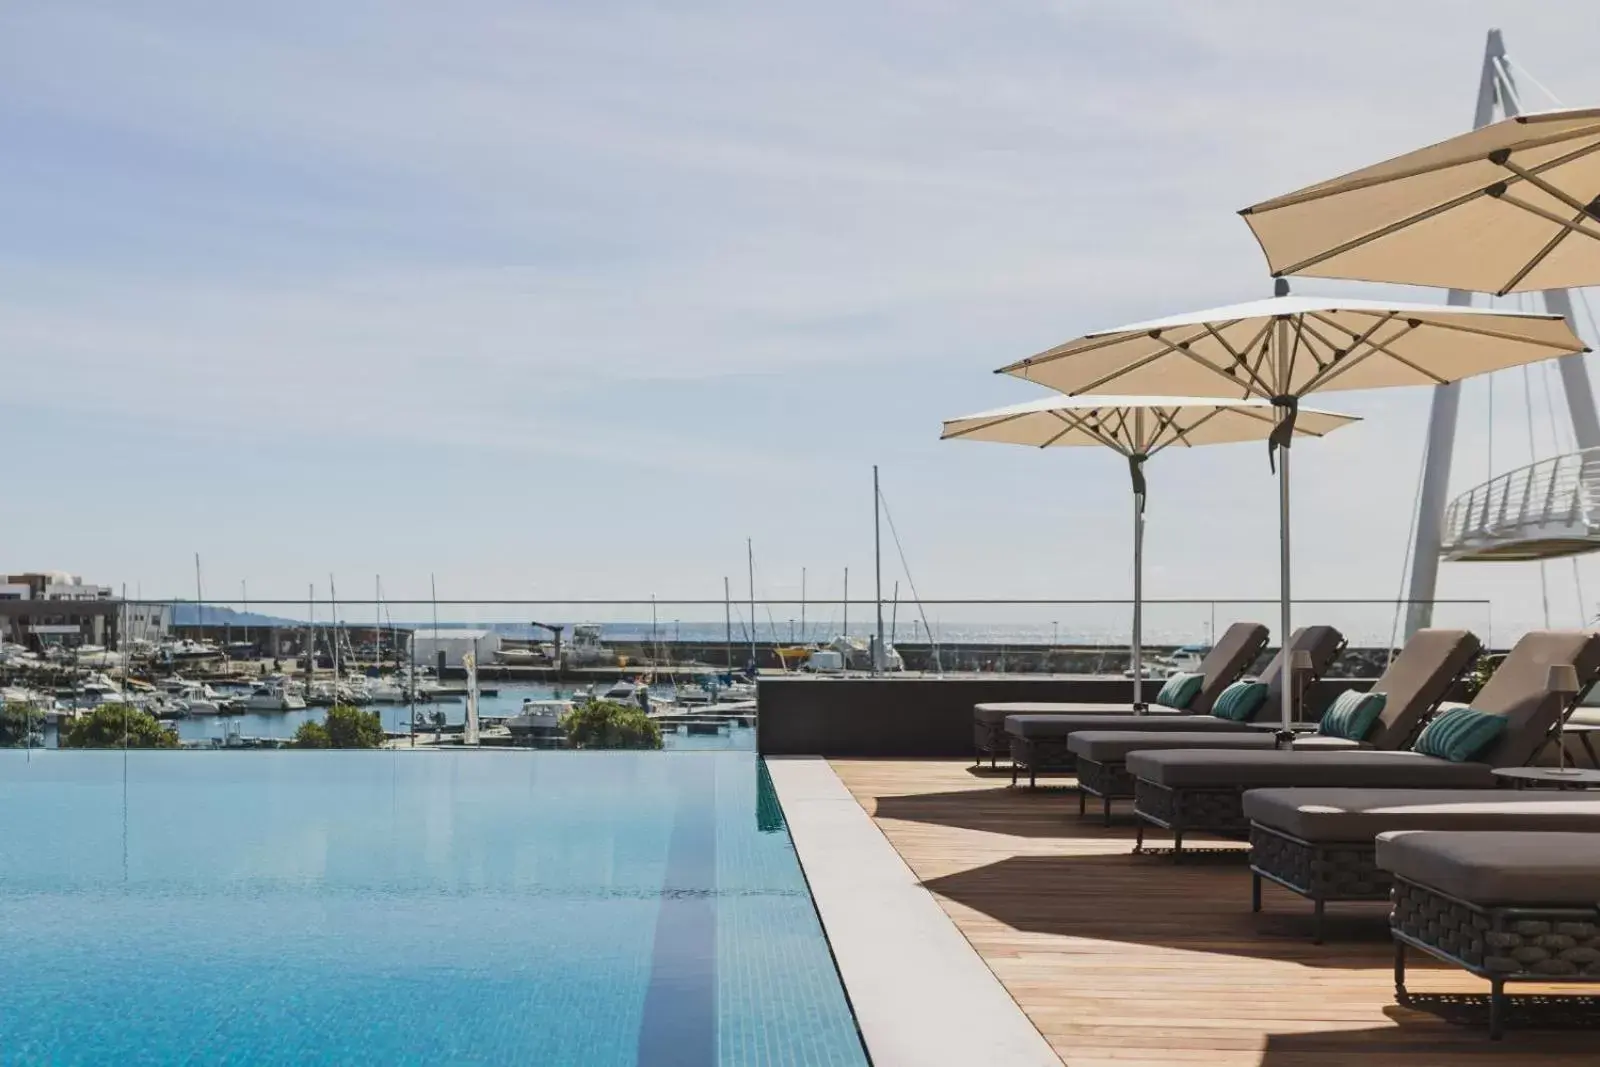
x: 407, y: 908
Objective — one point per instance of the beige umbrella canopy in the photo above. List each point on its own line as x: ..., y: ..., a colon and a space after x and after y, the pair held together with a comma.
x: 1136, y: 427
x: 1287, y: 347
x: 1509, y: 207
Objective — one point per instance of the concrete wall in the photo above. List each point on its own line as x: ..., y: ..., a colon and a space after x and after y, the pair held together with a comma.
x: 920, y: 717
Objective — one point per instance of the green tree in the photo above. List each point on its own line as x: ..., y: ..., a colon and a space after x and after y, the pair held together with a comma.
x: 610, y: 724
x: 116, y: 725
x: 20, y: 725
x: 311, y: 735
x: 349, y: 727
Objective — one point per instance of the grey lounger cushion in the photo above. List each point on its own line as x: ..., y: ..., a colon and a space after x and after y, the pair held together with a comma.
x: 1344, y: 815
x: 997, y: 713
x: 1229, y: 658
x: 1034, y: 726
x: 1417, y: 679
x: 1517, y: 691
x: 1499, y: 867
x: 1220, y: 769
x: 1113, y: 746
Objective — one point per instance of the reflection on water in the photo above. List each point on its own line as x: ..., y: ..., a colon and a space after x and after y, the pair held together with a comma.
x: 505, y: 702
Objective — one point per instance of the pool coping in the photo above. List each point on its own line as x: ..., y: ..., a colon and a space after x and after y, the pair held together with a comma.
x: 922, y: 995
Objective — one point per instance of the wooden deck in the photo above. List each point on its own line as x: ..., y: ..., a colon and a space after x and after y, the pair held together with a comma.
x: 1130, y: 960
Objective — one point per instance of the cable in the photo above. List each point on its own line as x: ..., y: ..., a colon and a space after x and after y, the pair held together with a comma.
x: 911, y: 581
x: 1537, y: 84
x: 1405, y: 561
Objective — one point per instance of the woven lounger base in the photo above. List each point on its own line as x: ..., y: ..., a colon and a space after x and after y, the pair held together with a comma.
x: 1108, y: 781
x: 1322, y: 873
x: 1211, y: 811
x: 1045, y: 756
x: 1521, y: 944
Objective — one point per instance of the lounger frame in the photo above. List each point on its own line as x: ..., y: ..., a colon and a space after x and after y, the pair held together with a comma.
x: 1213, y: 811
x: 1321, y: 871
x: 1047, y: 756
x: 1109, y: 781
x: 1455, y: 931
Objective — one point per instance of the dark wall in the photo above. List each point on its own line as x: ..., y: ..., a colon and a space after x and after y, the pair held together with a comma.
x: 919, y: 717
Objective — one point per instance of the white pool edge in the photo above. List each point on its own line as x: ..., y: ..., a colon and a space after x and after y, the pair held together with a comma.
x: 922, y: 995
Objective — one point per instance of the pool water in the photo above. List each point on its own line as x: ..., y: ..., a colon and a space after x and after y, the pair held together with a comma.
x: 548, y: 908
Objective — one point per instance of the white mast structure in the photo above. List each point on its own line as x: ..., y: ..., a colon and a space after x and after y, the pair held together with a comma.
x: 1497, y: 98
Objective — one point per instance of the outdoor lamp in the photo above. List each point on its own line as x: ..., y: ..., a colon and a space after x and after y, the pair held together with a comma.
x: 1562, y: 678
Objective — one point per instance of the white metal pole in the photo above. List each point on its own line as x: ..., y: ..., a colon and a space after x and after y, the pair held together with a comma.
x: 1138, y: 600
x: 877, y: 563
x: 1442, y: 418
x: 750, y: 562
x: 1286, y: 663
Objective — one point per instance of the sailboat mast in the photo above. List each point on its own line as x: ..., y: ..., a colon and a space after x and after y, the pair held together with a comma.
x: 727, y: 621
x: 311, y: 632
x: 877, y: 572
x: 199, y: 600
x: 433, y: 592
x: 802, y: 605
x: 750, y: 561
x: 377, y: 621
x: 244, y: 604
x: 846, y: 628
x: 333, y: 605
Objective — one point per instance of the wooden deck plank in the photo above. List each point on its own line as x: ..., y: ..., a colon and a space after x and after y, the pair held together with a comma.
x: 1125, y: 960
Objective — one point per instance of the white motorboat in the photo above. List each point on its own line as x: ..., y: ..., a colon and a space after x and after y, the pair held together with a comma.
x: 272, y: 697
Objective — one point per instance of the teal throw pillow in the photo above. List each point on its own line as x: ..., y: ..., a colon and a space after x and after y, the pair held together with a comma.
x: 1180, y: 690
x: 1239, y: 701
x: 1459, y: 735
x: 1351, y: 716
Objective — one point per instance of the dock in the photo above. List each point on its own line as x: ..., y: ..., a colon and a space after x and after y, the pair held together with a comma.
x: 1131, y: 961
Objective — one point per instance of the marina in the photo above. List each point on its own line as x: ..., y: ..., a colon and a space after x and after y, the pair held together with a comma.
x: 475, y: 647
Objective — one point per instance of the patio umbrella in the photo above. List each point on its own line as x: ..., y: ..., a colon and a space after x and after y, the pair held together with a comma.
x: 1509, y: 207
x: 1136, y: 427
x: 1287, y: 347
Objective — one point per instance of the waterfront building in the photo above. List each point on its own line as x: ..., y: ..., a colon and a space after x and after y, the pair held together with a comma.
x: 40, y: 609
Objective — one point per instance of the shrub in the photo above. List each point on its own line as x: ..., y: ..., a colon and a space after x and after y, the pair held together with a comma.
x: 311, y: 735
x: 349, y: 727
x: 20, y: 726
x: 610, y: 724
x: 118, y: 726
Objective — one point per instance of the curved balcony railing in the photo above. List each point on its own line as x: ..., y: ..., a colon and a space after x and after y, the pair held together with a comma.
x: 1549, y: 508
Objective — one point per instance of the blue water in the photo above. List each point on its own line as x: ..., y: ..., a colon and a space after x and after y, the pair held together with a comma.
x: 551, y: 908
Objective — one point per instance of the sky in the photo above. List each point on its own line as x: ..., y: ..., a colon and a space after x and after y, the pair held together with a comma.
x: 561, y: 300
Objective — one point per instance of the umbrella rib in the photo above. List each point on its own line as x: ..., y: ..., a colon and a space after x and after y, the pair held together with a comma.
x: 985, y: 426
x: 1381, y: 232
x: 1061, y: 351
x: 1239, y: 358
x: 1518, y: 174
x: 1352, y: 357
x: 1320, y: 192
x: 1499, y: 335
x: 1551, y: 216
x: 1535, y: 177
x: 1181, y: 433
x: 1543, y: 253
x: 1121, y: 430
x: 1074, y: 422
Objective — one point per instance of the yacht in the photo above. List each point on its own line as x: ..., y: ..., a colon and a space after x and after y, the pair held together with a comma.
x: 272, y: 697
x: 195, y: 698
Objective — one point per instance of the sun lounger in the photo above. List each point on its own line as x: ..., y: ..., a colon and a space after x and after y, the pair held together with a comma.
x: 1321, y: 843
x: 1505, y: 906
x: 1413, y: 684
x: 1039, y: 742
x: 1229, y: 658
x: 1185, y: 791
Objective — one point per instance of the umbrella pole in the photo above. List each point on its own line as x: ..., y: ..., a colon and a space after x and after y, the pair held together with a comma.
x: 1136, y: 468
x: 1286, y: 666
x: 1138, y: 602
